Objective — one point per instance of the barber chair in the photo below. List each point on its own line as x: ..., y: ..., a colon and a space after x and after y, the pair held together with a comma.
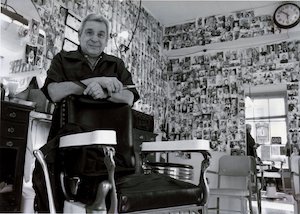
x: 108, y: 130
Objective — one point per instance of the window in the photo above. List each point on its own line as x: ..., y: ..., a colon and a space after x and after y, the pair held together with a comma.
x: 267, y: 115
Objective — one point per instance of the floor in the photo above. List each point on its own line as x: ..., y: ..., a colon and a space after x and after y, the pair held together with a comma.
x: 282, y: 205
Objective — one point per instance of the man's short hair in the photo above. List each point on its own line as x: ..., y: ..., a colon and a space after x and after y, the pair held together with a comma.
x: 96, y: 18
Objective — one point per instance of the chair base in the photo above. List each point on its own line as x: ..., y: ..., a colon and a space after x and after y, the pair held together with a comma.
x: 74, y: 207
x: 77, y: 207
x: 170, y: 210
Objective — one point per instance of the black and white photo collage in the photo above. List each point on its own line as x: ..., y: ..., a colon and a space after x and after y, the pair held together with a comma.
x: 53, y: 14
x: 34, y: 40
x: 144, y: 59
x: 294, y: 115
x: 221, y: 28
x: 207, y: 94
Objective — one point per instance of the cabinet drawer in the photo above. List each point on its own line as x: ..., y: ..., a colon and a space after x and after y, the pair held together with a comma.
x: 12, y: 143
x: 7, y: 202
x: 13, y: 130
x: 13, y: 113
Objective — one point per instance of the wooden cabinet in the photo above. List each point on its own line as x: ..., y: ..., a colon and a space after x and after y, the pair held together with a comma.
x: 14, y: 128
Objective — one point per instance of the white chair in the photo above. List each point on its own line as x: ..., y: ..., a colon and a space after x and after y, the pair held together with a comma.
x: 236, y: 179
x: 295, y: 181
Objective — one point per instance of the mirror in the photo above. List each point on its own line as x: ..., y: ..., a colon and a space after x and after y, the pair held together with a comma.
x: 23, y: 42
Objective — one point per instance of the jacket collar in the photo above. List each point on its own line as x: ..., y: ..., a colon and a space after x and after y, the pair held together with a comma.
x: 79, y: 55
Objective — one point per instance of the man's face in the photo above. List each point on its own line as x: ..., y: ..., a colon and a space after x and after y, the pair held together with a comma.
x: 93, y: 38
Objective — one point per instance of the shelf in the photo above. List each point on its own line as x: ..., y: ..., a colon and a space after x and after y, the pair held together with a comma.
x: 236, y: 44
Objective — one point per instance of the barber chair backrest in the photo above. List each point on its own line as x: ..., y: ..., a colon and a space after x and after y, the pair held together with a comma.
x: 102, y: 115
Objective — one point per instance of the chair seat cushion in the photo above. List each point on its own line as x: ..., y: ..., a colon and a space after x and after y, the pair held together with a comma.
x: 153, y: 191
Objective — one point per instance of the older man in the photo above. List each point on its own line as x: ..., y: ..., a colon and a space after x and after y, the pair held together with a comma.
x: 86, y: 71
x: 104, y: 75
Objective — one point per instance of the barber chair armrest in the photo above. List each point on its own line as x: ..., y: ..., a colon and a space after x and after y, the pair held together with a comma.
x: 98, y: 137
x: 181, y: 145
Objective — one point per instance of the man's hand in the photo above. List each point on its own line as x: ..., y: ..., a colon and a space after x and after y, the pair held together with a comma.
x: 111, y: 87
x: 111, y: 84
x: 95, y: 90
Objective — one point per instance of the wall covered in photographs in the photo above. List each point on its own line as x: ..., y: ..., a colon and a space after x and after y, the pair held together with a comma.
x: 207, y: 94
x: 221, y: 28
x: 206, y: 87
x: 33, y: 41
x: 144, y: 58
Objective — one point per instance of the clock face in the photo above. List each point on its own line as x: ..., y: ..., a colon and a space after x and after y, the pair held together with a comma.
x: 287, y: 15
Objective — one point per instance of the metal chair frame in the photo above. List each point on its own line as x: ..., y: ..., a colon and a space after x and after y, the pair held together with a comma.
x: 237, y: 166
x: 295, y: 181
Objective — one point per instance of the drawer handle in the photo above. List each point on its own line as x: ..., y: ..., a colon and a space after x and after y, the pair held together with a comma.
x: 11, y: 130
x: 141, y: 137
x: 9, y: 143
x: 12, y: 115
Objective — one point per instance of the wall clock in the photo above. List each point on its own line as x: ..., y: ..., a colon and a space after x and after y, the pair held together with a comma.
x: 287, y: 15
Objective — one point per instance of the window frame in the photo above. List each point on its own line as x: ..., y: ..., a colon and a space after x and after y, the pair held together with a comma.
x: 268, y: 96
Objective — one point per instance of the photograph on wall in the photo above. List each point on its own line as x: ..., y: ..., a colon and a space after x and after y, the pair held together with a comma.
x: 34, y: 31
x: 34, y: 27
x: 30, y: 55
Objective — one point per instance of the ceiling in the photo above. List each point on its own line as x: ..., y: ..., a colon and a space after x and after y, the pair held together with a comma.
x: 25, y: 8
x: 169, y: 12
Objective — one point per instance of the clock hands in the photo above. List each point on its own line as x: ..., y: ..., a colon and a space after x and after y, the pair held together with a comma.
x: 285, y: 13
x: 287, y: 16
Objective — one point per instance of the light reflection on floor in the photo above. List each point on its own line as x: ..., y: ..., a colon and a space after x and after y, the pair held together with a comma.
x: 282, y: 206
